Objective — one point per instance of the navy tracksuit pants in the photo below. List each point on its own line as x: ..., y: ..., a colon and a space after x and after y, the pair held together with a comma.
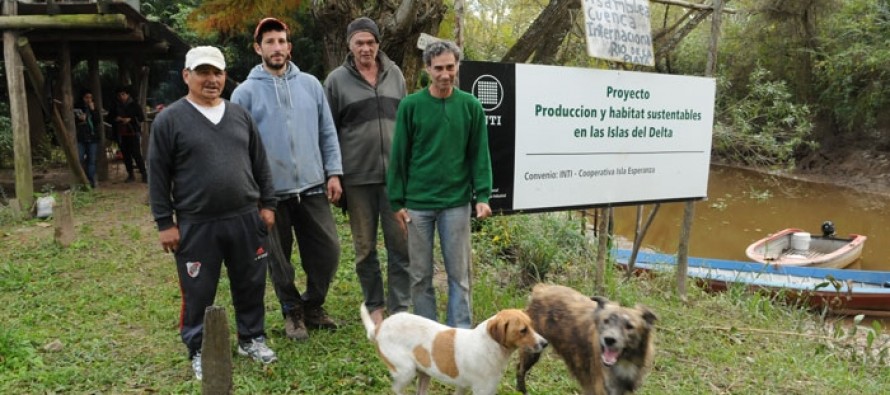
x: 237, y: 241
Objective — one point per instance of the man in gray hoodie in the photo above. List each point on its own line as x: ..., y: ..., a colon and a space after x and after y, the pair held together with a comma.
x: 364, y: 93
x: 296, y: 127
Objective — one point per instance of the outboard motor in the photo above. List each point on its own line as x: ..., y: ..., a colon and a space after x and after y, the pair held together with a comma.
x: 828, y: 229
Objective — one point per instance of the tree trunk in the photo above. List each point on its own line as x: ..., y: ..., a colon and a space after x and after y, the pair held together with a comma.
x: 549, y: 46
x: 459, y: 9
x: 553, y: 20
x: 400, y: 24
x: 34, y: 72
x: 66, y: 93
x: 96, y: 87
x: 667, y: 43
x: 811, y: 44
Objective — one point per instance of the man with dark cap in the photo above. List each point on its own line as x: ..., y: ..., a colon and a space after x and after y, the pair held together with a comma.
x: 295, y: 123
x: 126, y: 116
x: 212, y: 198
x: 364, y: 93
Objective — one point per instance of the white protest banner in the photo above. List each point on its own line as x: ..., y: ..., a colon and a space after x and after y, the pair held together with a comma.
x: 619, y: 30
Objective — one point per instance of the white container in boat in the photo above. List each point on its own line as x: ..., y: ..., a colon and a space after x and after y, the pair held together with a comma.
x: 800, y: 241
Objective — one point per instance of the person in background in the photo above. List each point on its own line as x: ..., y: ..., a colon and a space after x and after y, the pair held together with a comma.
x: 440, y: 163
x: 212, y: 198
x: 126, y: 117
x: 295, y: 123
x: 87, y: 120
x: 364, y: 94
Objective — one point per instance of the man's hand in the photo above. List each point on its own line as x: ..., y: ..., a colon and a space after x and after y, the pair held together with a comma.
x: 170, y: 239
x: 403, y: 219
x: 483, y: 210
x: 334, y: 189
x: 268, y: 217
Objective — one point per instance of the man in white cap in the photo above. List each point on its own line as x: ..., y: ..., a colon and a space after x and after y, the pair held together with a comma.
x: 212, y: 199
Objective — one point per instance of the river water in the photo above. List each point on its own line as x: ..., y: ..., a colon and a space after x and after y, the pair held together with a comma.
x: 744, y: 206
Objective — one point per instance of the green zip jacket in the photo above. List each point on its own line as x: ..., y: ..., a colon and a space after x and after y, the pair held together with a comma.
x: 439, y: 155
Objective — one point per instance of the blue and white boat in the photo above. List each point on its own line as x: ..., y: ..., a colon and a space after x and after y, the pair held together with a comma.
x: 839, y: 290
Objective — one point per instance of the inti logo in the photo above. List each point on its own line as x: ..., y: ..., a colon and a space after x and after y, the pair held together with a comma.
x: 490, y: 92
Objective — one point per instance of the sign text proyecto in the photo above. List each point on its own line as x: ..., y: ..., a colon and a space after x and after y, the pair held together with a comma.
x: 569, y: 137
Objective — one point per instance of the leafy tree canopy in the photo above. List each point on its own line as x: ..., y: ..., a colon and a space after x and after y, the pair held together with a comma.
x: 228, y: 18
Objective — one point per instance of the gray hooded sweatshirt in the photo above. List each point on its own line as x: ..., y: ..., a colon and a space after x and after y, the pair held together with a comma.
x: 296, y: 127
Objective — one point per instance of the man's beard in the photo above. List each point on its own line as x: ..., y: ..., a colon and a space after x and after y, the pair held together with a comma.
x: 275, y: 66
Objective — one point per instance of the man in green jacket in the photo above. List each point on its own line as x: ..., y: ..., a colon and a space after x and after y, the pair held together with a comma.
x: 439, y: 165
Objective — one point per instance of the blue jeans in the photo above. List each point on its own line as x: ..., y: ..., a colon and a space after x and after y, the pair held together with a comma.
x: 87, y: 154
x: 453, y: 225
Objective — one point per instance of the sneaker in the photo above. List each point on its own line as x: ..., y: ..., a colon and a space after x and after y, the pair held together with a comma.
x: 257, y: 349
x: 130, y: 179
x: 317, y: 318
x: 196, y: 366
x: 294, y: 328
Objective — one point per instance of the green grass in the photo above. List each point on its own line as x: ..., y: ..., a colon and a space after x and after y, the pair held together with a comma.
x: 101, y: 316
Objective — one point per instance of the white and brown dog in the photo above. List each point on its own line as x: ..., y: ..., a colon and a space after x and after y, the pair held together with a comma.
x: 467, y: 358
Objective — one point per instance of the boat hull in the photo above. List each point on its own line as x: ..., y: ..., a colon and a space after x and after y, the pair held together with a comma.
x: 837, y: 290
x: 828, y: 252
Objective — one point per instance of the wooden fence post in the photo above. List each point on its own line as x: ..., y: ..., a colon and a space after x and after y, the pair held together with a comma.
x: 216, y: 353
x: 599, y: 279
x: 18, y: 114
x: 63, y: 218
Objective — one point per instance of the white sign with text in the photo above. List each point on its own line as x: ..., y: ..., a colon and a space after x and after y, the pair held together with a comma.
x: 587, y: 137
x: 619, y: 30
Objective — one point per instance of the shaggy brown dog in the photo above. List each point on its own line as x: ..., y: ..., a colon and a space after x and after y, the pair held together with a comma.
x: 608, y: 348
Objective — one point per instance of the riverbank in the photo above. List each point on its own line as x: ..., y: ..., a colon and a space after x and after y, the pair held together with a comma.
x: 856, y: 168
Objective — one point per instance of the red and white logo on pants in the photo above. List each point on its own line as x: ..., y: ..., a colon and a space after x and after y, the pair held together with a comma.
x: 193, y: 268
x: 261, y: 253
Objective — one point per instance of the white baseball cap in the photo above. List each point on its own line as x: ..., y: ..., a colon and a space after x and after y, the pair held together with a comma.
x: 205, y: 55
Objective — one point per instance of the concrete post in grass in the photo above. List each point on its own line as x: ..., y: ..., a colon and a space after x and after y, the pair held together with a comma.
x: 216, y: 353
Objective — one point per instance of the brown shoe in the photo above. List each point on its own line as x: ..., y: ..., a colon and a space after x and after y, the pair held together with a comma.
x: 294, y: 328
x: 317, y: 318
